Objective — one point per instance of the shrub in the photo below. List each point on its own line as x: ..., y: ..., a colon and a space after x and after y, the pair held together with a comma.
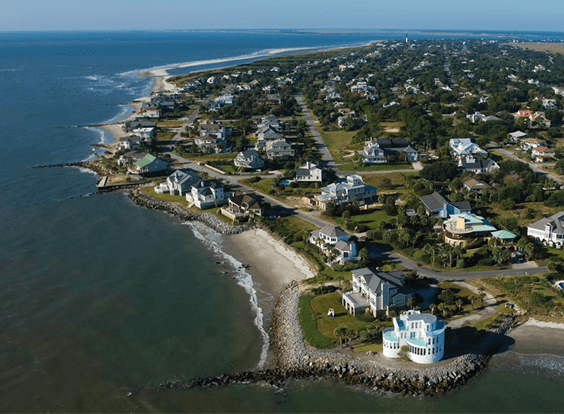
x: 486, y: 261
x: 421, y: 256
x: 365, y: 317
x: 460, y: 264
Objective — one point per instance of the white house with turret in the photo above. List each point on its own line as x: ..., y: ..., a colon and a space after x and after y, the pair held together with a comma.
x: 422, y: 333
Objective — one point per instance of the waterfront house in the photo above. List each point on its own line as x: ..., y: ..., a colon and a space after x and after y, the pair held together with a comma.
x: 179, y: 183
x: 249, y: 159
x: 549, y: 230
x: 128, y: 143
x: 242, y: 205
x: 422, y: 333
x: 345, y: 192
x: 309, y: 173
x: 375, y: 292
x: 437, y: 205
x: 208, y: 193
x: 149, y: 165
x: 334, y: 242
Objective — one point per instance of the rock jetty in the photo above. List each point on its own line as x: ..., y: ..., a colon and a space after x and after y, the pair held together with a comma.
x: 297, y: 360
x: 184, y: 215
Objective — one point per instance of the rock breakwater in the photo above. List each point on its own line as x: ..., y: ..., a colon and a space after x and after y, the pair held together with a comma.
x: 184, y: 215
x: 297, y: 360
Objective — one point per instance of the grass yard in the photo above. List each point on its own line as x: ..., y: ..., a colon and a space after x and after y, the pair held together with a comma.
x: 463, y: 294
x: 521, y: 212
x: 165, y: 136
x: 397, y: 180
x: 337, y: 142
x: 170, y: 123
x: 326, y: 325
x: 353, y: 166
x: 309, y: 326
x: 370, y: 218
x: 374, y: 345
x: 262, y: 186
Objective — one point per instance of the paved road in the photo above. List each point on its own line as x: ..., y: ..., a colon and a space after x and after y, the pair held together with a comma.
x: 325, y: 154
x: 534, y: 167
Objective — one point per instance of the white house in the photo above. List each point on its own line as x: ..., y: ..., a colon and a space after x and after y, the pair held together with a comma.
x: 279, y: 148
x: 208, y: 193
x: 179, y: 183
x: 249, y: 159
x: 549, y: 230
x: 462, y: 147
x: 375, y: 292
x: 422, y: 333
x: 540, y: 154
x: 345, y: 192
x: 372, y: 153
x: 309, y: 173
x: 329, y: 238
x: 477, y: 166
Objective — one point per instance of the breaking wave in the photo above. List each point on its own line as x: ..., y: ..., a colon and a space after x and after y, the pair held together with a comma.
x: 212, y: 240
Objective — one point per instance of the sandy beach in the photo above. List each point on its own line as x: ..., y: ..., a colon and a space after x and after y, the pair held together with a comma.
x: 272, y: 264
x: 535, y: 337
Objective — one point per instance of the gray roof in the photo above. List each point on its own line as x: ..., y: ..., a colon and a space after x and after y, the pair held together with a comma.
x: 433, y: 202
x: 478, y: 165
x: 332, y: 231
x: 462, y: 205
x: 343, y: 246
x: 374, y: 278
x: 425, y: 317
x: 556, y: 222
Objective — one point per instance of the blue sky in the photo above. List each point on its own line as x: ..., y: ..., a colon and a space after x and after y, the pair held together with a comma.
x: 522, y: 15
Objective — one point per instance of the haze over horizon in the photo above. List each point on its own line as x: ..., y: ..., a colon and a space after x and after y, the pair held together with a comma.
x: 502, y: 15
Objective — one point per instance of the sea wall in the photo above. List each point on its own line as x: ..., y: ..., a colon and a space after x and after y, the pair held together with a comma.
x: 297, y: 360
x: 184, y: 215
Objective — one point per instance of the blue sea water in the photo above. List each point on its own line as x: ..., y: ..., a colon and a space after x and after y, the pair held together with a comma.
x: 100, y: 298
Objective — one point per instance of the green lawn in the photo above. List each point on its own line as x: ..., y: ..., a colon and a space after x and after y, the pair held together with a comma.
x: 326, y: 325
x: 165, y: 136
x: 170, y: 123
x: 375, y: 345
x: 397, y: 179
x: 309, y: 326
x: 353, y: 166
x: 337, y: 142
x: 262, y: 186
x: 370, y: 218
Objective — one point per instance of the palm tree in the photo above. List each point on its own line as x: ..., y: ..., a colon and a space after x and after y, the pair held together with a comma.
x: 459, y: 304
x: 341, y: 332
x: 432, y: 307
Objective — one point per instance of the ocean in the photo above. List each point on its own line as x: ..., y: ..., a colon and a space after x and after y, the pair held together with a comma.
x: 100, y: 299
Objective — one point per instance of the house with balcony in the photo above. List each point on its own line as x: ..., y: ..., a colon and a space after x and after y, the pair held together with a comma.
x: 335, y: 242
x: 250, y: 159
x: 347, y: 191
x: 243, y: 205
x: 463, y: 147
x: 549, y: 230
x: 179, y: 183
x: 309, y: 173
x: 464, y: 229
x: 382, y: 150
x: 208, y: 193
x: 422, y: 333
x: 375, y: 292
x: 279, y: 149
